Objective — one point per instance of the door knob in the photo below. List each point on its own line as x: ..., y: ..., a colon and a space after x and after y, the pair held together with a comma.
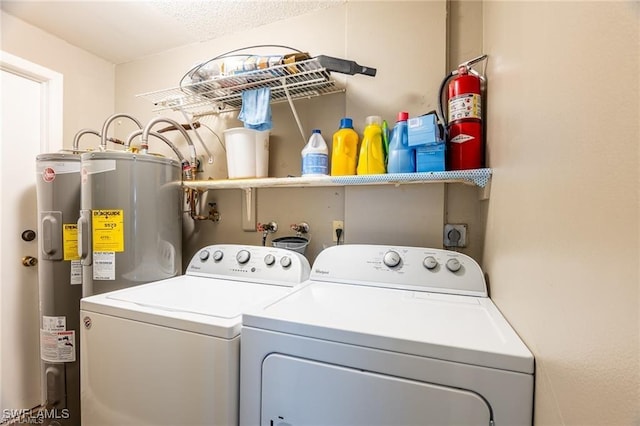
x: 29, y: 261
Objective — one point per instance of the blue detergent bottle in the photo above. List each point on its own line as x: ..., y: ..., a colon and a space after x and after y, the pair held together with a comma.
x: 402, y: 158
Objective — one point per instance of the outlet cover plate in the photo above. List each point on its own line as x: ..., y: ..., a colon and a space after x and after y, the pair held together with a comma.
x: 337, y: 224
x: 453, y: 230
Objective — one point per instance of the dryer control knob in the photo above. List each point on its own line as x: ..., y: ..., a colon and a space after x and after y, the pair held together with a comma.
x: 391, y: 259
x: 269, y: 259
x: 430, y: 262
x: 204, y: 255
x: 243, y: 256
x: 285, y: 261
x: 453, y: 265
x: 218, y: 255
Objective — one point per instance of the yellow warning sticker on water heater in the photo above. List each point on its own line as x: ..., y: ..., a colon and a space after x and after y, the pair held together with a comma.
x: 70, y: 240
x: 108, y: 230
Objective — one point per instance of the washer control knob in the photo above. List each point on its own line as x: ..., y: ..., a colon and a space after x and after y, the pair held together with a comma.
x: 218, y: 255
x: 243, y: 256
x: 391, y: 259
x: 453, y: 265
x: 285, y: 261
x: 204, y: 255
x: 269, y: 259
x: 430, y: 262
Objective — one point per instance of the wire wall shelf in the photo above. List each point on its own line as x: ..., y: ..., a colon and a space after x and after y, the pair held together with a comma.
x: 303, y: 79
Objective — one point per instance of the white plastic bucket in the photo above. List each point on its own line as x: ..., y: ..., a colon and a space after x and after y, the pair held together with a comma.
x: 247, y: 152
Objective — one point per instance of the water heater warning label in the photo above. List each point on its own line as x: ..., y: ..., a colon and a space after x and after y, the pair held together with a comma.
x: 76, y: 272
x: 54, y: 323
x: 70, y: 239
x: 58, y: 346
x: 104, y: 265
x: 108, y: 230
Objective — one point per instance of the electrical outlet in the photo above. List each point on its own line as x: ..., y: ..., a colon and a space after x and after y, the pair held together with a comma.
x: 337, y: 224
x: 455, y: 235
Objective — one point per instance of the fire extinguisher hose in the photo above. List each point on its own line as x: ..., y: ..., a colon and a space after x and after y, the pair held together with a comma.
x: 440, y: 110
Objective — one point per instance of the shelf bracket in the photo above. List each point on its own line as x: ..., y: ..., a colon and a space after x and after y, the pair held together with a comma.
x: 485, y: 191
x: 293, y: 110
x: 190, y: 121
x: 248, y: 209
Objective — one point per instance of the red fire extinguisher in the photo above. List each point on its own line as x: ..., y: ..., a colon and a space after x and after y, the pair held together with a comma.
x: 464, y: 121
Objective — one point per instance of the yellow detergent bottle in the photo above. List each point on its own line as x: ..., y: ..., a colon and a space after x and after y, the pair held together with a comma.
x: 371, y: 161
x: 344, y: 153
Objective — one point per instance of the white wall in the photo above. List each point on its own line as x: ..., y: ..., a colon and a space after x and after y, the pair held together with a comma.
x: 405, y: 41
x: 562, y: 239
x: 88, y: 80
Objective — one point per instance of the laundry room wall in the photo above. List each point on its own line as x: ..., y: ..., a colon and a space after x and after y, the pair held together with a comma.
x: 405, y: 41
x: 562, y: 239
x: 89, y: 81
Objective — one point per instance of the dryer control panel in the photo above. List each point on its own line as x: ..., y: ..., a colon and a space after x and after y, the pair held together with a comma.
x: 411, y: 268
x: 260, y: 264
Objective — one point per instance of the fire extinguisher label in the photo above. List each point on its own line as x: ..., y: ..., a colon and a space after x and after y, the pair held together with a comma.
x: 467, y: 105
x: 461, y: 138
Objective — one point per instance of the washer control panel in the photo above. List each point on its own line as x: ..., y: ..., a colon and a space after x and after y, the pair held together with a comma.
x: 411, y: 268
x: 250, y: 263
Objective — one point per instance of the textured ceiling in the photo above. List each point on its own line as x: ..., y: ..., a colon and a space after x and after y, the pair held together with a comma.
x: 121, y: 31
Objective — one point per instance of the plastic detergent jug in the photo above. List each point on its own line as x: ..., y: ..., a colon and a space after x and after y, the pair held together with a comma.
x: 344, y: 154
x: 315, y: 155
x: 402, y: 158
x: 371, y: 159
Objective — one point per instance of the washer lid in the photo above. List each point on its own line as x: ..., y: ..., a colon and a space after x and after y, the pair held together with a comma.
x: 202, y: 305
x: 455, y: 328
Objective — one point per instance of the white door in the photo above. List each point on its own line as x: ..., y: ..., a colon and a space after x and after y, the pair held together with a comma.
x: 31, y: 124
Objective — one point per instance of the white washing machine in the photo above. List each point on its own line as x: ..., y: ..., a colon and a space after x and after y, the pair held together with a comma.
x: 385, y: 336
x: 168, y: 352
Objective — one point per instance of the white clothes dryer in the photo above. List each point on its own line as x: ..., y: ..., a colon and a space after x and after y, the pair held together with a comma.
x: 168, y: 352
x: 388, y: 336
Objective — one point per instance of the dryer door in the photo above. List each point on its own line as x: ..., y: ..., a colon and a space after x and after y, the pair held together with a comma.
x: 297, y: 392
